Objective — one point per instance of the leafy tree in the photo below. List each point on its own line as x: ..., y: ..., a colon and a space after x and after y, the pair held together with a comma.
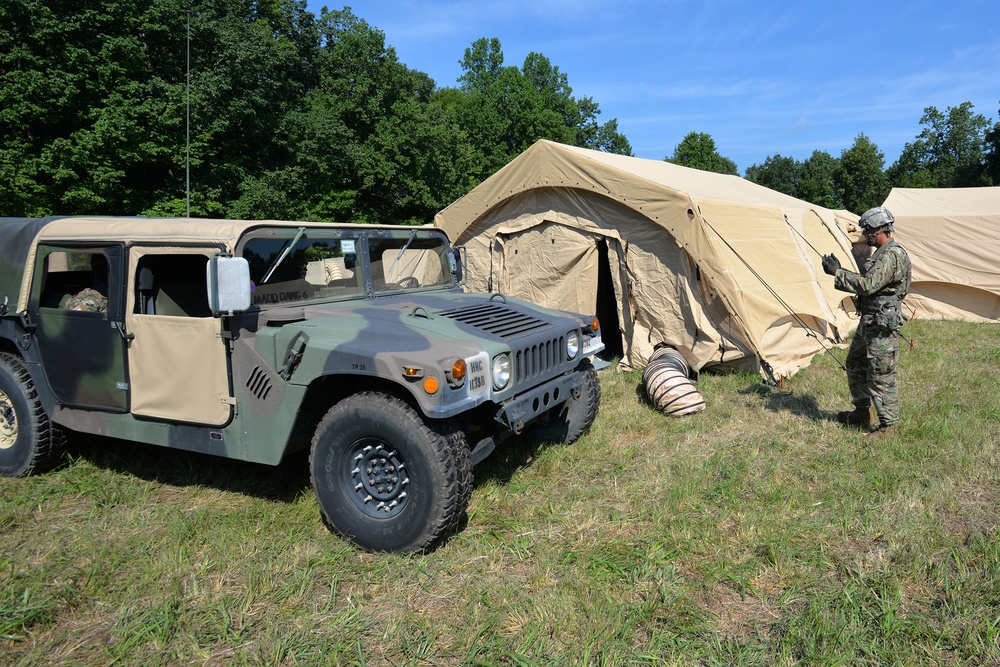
x: 596, y: 136
x: 94, y: 103
x: 950, y: 152
x: 88, y: 105
x: 993, y: 154
x: 816, y: 181
x: 369, y: 146
x: 251, y: 64
x: 697, y: 150
x: 779, y: 173
x: 859, y: 178
x: 502, y: 109
x: 811, y: 180
x: 290, y: 116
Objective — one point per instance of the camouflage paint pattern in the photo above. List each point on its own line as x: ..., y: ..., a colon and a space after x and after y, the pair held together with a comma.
x: 346, y: 345
x: 873, y: 356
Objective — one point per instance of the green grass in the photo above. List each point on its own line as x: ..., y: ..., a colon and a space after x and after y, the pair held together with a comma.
x: 758, y: 532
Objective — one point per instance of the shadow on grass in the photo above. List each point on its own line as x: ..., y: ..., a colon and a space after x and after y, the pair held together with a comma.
x: 778, y: 400
x: 282, y: 483
x: 510, y: 456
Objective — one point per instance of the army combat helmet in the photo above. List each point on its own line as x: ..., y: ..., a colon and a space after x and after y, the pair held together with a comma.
x: 876, y: 218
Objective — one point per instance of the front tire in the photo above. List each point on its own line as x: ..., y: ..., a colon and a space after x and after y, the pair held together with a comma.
x: 28, y: 441
x: 384, y: 479
x: 573, y: 418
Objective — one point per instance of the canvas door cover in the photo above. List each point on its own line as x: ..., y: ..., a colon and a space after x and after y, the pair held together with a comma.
x: 177, y: 364
x: 953, y: 238
x: 723, y: 269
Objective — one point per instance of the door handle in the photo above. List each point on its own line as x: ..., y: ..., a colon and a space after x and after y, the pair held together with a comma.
x: 120, y: 326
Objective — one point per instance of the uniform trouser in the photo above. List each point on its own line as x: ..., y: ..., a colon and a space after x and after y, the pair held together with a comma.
x: 871, y: 371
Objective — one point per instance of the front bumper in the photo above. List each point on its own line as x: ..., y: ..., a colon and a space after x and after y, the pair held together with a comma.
x: 523, y: 408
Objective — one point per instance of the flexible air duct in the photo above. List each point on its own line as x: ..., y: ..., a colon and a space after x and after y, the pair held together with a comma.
x: 667, y: 385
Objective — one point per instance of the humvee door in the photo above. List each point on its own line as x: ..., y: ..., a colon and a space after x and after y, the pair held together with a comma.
x: 76, y: 302
x: 177, y: 356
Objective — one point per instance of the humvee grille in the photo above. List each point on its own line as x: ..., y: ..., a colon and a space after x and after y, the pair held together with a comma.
x: 539, y: 360
x: 496, y: 319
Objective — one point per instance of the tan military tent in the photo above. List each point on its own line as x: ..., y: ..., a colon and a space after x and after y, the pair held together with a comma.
x: 725, y: 270
x: 953, y: 238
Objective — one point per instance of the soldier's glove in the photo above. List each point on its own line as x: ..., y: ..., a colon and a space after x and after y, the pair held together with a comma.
x: 830, y: 264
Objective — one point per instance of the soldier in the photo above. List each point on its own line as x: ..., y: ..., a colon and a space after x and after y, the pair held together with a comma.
x: 874, y: 351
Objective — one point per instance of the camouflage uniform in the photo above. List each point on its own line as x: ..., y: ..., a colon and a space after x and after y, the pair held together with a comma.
x: 874, y: 351
x: 88, y: 299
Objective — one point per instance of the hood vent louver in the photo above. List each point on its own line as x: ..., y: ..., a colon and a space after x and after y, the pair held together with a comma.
x: 496, y: 319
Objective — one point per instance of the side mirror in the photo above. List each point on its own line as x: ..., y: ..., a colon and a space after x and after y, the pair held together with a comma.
x: 457, y: 262
x: 228, y: 285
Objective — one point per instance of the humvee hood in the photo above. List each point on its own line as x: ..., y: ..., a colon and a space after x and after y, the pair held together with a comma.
x: 454, y: 316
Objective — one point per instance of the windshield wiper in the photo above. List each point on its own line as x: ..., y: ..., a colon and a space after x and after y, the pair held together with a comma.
x: 284, y: 253
x: 406, y: 245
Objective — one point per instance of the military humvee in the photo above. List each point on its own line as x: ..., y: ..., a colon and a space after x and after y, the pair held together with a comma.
x: 255, y: 339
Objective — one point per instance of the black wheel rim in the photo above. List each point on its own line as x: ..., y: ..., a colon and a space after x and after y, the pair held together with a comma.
x: 376, y: 478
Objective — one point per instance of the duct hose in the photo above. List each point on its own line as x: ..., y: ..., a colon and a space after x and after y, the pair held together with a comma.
x: 667, y: 385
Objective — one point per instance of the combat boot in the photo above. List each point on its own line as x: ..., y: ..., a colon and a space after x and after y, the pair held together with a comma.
x: 882, y: 432
x: 860, y: 417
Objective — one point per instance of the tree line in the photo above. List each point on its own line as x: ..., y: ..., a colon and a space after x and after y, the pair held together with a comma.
x: 261, y: 109
x: 955, y: 149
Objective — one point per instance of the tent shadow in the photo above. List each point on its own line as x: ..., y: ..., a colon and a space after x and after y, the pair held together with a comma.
x: 803, y: 405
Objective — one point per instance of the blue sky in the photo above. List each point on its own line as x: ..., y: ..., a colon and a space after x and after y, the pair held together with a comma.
x: 762, y: 77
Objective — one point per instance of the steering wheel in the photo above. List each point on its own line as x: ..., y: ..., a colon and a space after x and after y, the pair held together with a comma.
x: 408, y: 281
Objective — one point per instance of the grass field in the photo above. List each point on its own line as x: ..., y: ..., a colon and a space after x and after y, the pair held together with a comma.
x: 758, y: 532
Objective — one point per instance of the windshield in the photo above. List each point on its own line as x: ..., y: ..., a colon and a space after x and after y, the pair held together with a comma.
x: 306, y: 265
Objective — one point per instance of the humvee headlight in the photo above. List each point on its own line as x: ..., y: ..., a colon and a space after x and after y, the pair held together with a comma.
x: 572, y: 345
x: 501, y: 371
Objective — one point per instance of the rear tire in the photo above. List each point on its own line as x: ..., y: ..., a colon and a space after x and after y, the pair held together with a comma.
x: 384, y: 479
x: 28, y: 441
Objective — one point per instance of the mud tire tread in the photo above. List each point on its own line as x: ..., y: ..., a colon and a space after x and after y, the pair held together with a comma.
x: 45, y: 446
x: 445, y: 494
